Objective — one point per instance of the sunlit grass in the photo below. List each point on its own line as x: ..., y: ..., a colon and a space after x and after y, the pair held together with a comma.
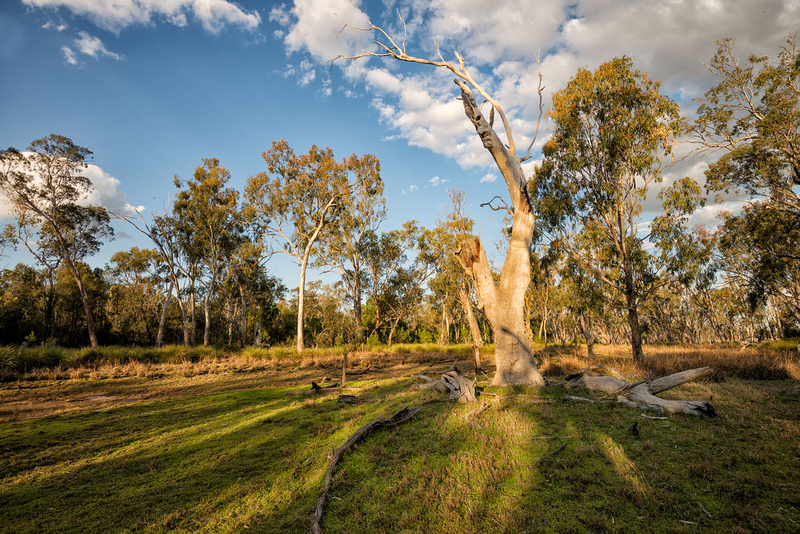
x: 216, y: 445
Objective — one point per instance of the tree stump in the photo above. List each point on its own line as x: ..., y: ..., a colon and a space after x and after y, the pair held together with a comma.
x: 452, y: 381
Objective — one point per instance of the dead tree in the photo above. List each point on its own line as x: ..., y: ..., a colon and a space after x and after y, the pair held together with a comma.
x: 642, y: 394
x: 503, y: 302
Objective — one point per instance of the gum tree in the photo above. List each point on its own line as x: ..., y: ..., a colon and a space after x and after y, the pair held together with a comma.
x: 44, y: 187
x: 295, y: 200
x: 752, y: 116
x: 612, y: 129
x: 503, y: 301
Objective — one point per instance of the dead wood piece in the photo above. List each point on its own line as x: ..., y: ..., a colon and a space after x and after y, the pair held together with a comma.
x: 460, y: 388
x: 347, y: 399
x: 400, y: 417
x: 480, y: 409
x: 641, y: 395
x: 578, y: 399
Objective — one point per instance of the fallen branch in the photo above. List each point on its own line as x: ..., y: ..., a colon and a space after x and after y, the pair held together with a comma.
x: 642, y: 395
x: 336, y: 454
x: 480, y: 409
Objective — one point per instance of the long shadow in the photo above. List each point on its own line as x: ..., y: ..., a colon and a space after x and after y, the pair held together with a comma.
x: 216, y: 462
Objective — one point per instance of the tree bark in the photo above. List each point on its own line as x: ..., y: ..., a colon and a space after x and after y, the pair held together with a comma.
x: 474, y: 330
x: 586, y: 326
x: 633, y: 323
x: 87, y: 306
x: 162, y: 321
x: 301, y: 293
x: 504, y: 303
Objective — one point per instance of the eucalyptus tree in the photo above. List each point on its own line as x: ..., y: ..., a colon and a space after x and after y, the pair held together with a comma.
x: 396, y: 282
x: 503, y: 301
x: 752, y: 115
x: 139, y: 287
x: 611, y: 130
x: 207, y: 212
x: 45, y: 186
x: 344, y: 246
x: 293, y: 201
x: 163, y: 230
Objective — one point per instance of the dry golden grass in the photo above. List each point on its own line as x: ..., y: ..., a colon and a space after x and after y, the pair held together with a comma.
x: 727, y: 360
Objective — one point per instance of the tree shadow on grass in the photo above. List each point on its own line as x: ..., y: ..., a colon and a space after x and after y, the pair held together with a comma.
x: 222, y: 462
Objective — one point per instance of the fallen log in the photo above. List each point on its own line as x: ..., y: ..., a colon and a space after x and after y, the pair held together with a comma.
x: 642, y: 394
x: 336, y: 454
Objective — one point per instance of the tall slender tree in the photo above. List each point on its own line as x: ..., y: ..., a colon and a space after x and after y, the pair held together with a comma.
x: 207, y: 212
x: 45, y: 186
x: 293, y: 201
x: 343, y: 248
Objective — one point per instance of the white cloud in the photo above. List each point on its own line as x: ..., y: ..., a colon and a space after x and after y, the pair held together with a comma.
x: 90, y: 46
x: 57, y: 27
x: 489, y: 178
x: 105, y: 192
x: 69, y: 55
x: 708, y: 216
x: 499, y: 40
x: 413, y: 188
x: 213, y: 15
x: 436, y: 181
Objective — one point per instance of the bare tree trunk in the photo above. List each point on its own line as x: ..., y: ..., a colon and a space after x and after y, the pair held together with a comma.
x: 207, y: 318
x: 391, y: 330
x: 243, y: 323
x: 301, y: 293
x: 504, y: 303
x: 87, y: 306
x: 586, y: 326
x: 633, y: 323
x: 163, y: 319
x: 474, y: 330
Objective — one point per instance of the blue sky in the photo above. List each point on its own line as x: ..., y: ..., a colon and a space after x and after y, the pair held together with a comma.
x: 153, y: 87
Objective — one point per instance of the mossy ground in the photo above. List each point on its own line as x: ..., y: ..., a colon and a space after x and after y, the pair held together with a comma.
x: 229, y: 451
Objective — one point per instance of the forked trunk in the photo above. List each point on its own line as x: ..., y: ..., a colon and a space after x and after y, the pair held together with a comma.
x: 504, y: 303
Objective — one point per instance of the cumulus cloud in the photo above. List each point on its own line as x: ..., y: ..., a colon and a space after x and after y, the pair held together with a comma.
x: 489, y: 178
x: 88, y: 45
x: 436, y: 181
x: 105, y: 192
x: 500, y: 40
x: 213, y: 15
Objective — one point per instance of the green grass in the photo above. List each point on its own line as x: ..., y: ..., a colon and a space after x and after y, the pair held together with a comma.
x: 229, y: 452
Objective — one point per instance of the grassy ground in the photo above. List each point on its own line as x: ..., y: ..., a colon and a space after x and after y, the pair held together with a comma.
x: 217, y: 446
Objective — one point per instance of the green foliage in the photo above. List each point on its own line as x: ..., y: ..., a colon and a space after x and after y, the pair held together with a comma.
x: 374, y: 341
x: 753, y: 114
